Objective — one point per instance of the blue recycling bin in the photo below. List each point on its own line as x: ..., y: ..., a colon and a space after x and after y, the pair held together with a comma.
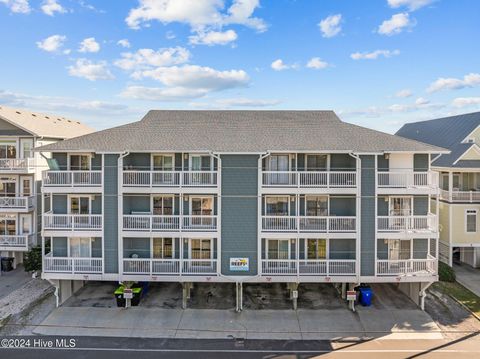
x: 366, y: 296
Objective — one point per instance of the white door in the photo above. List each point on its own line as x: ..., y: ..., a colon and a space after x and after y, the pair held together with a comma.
x: 26, y: 186
x: 25, y: 224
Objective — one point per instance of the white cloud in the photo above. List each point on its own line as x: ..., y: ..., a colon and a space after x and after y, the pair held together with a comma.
x: 412, y: 5
x: 421, y: 101
x: 330, y: 26
x: 184, y: 82
x: 50, y: 7
x: 124, y: 43
x: 317, y: 63
x: 279, y: 65
x: 90, y: 70
x: 466, y: 101
x: 170, y: 35
x: 211, y: 38
x: 198, y: 14
x: 52, y: 43
x: 148, y: 58
x: 89, y: 45
x: 396, y: 24
x: 374, y: 54
x: 470, y: 80
x: 404, y: 93
x: 17, y: 6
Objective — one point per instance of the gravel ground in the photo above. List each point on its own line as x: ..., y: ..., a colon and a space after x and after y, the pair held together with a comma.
x: 454, y: 321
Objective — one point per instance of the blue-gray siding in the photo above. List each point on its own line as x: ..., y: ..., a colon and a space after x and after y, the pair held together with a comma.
x: 111, y: 214
x: 239, y: 211
x: 367, y: 233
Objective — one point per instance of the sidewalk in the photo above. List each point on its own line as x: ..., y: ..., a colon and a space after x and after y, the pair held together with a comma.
x: 250, y: 324
x: 468, y: 277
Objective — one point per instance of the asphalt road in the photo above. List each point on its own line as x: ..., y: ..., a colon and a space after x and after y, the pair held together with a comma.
x: 109, y: 347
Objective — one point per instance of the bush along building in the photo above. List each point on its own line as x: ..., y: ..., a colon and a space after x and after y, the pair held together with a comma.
x: 244, y: 197
x: 20, y: 175
x: 459, y: 181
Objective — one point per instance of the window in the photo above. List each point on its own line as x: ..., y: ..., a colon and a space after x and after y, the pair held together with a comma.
x: 8, y: 149
x: 7, y: 188
x: 471, y: 220
x: 79, y: 162
x: 316, y: 206
x: 27, y: 191
x: 277, y: 206
x: 27, y: 149
x: 201, y: 206
x: 162, y: 248
x: 8, y: 225
x: 163, y: 162
x: 80, y: 247
x: 316, y: 162
x: 200, y: 163
x: 79, y: 205
x: 316, y: 249
x: 278, y: 163
x: 400, y: 206
x: 163, y: 206
x: 398, y: 249
x: 278, y: 249
x: 200, y: 249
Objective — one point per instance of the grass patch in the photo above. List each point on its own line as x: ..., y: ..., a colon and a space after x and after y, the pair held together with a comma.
x: 461, y: 294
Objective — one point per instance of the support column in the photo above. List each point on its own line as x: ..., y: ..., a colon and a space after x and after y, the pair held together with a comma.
x: 293, y: 289
x: 344, y: 290
x: 186, y: 287
x: 239, y: 296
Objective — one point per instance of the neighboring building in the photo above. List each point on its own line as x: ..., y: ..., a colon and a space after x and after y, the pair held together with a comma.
x: 459, y: 182
x: 240, y: 197
x: 20, y: 173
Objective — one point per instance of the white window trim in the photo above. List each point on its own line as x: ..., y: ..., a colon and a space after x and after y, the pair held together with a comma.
x: 327, y: 248
x: 163, y: 243
x: 289, y: 241
x: 89, y: 155
x: 200, y: 239
x: 476, y: 220
x: 162, y: 196
x: 317, y: 154
x: 278, y: 196
x: 192, y: 197
x: 390, y: 200
x: 191, y: 156
x: 152, y: 162
x: 70, y: 196
x: 289, y: 155
x: 68, y: 246
x: 315, y: 195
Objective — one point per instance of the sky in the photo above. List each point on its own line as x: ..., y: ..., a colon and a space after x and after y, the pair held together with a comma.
x: 376, y: 63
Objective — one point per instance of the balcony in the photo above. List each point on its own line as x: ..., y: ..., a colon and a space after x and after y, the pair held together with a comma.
x: 407, y: 182
x: 407, y: 224
x: 72, y: 265
x: 310, y: 179
x: 148, y: 266
x: 18, y: 242
x: 70, y: 181
x: 407, y: 267
x: 22, y: 165
x: 157, y: 179
x: 72, y: 222
x: 157, y: 223
x: 331, y: 224
x: 17, y: 204
x: 460, y: 196
x: 306, y: 267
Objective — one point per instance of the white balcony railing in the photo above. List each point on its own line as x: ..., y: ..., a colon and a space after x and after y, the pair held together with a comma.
x: 324, y: 267
x: 24, y: 203
x: 426, y: 223
x: 309, y: 224
x: 132, y: 178
x: 407, y: 267
x: 19, y: 241
x: 460, y: 196
x: 17, y: 164
x: 72, y: 222
x: 408, y: 179
x: 72, y: 265
x: 304, y: 179
x: 148, y: 266
x: 152, y: 223
x: 72, y: 178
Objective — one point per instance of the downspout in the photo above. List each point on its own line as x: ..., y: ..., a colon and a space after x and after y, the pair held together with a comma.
x: 358, y: 215
x: 219, y: 215
x: 259, y: 215
x: 422, y: 294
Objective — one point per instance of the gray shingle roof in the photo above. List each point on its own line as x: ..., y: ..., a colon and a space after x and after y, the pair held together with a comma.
x: 239, y: 131
x: 447, y: 132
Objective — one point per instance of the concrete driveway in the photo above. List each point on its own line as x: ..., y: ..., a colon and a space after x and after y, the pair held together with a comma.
x: 11, y: 281
x: 321, y: 315
x: 468, y: 276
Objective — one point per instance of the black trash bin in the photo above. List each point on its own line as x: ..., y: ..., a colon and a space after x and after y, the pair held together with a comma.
x: 7, y: 264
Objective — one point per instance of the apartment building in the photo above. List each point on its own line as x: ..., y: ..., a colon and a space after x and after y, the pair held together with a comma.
x: 459, y: 181
x: 20, y: 173
x: 243, y: 197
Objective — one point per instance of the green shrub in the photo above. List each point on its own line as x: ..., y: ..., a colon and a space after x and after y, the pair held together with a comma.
x: 445, y: 272
x: 32, y: 261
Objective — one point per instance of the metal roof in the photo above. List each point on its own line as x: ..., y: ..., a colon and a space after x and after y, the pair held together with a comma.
x: 240, y: 132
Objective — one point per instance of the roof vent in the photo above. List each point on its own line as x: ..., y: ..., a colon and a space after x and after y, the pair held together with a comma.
x: 18, y: 112
x: 34, y: 115
x: 78, y: 122
x: 47, y: 117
